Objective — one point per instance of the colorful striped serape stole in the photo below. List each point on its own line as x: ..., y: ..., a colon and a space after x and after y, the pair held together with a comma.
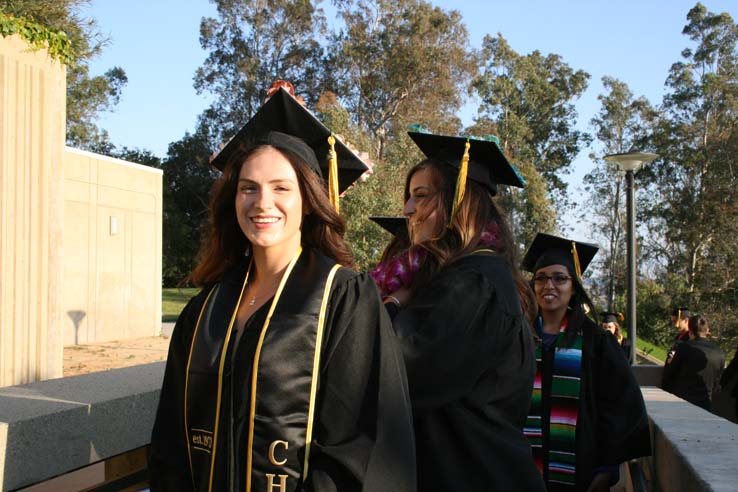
x: 564, y: 409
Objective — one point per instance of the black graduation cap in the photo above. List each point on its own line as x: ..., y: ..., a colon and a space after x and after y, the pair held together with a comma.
x: 681, y: 312
x: 546, y: 250
x: 397, y: 226
x: 611, y: 317
x: 282, y: 117
x: 487, y: 164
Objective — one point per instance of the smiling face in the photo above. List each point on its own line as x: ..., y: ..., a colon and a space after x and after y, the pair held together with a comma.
x: 269, y: 203
x: 553, y: 297
x: 421, y: 207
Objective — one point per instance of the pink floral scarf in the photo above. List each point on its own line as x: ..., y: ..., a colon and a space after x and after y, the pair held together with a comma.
x: 399, y: 270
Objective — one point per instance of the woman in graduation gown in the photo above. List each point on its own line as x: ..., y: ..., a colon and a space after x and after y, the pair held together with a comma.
x: 458, y: 314
x: 587, y: 414
x: 283, y: 373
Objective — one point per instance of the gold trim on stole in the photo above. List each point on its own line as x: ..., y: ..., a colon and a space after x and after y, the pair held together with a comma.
x: 187, y: 382
x: 220, y: 377
x: 255, y: 368
x: 316, y: 366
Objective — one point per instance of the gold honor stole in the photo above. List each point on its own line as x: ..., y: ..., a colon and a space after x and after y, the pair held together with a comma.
x: 284, y: 379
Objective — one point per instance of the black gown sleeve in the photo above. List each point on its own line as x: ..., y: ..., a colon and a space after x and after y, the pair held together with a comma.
x: 622, y: 421
x: 448, y: 334
x: 168, y: 460
x: 364, y: 434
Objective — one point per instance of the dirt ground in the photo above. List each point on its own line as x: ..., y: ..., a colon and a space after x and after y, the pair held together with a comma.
x: 84, y: 359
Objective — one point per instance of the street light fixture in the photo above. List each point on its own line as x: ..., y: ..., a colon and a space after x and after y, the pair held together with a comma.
x: 630, y: 162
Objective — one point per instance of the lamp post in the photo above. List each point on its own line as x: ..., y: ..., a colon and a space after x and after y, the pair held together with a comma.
x: 630, y: 162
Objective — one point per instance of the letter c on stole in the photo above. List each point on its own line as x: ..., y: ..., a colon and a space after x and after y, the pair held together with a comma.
x: 272, y: 447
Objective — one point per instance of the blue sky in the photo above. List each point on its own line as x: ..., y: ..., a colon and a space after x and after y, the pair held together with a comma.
x: 156, y: 43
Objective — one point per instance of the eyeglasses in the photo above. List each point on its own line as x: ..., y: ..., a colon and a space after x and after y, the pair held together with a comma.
x: 557, y: 279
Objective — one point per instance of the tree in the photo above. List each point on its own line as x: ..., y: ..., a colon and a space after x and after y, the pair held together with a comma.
x: 251, y: 44
x: 398, y: 62
x: 621, y: 125
x: 527, y: 102
x: 188, y: 179
x: 690, y: 216
x: 87, y: 96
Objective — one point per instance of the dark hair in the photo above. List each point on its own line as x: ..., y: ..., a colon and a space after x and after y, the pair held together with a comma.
x: 224, y: 243
x: 475, y: 213
x: 698, y: 326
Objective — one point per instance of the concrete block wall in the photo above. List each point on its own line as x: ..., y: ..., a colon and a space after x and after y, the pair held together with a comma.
x: 52, y: 427
x: 113, y: 245
x: 32, y: 134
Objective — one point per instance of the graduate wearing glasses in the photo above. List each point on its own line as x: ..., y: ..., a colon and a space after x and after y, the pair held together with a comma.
x: 587, y: 415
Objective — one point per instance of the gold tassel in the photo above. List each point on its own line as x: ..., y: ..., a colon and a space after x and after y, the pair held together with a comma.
x: 460, y: 184
x: 333, y: 173
x: 577, y: 265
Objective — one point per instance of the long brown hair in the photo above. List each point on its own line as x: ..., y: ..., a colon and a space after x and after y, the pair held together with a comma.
x: 476, y: 211
x: 224, y: 242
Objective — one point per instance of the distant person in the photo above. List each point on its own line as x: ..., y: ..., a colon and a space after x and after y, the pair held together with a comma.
x: 680, y: 321
x: 694, y: 371
x: 611, y: 323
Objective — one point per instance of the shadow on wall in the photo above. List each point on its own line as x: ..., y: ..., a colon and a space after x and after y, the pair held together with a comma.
x: 76, y: 317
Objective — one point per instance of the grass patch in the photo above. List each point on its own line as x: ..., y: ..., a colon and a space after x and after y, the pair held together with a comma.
x: 173, y: 301
x: 651, y: 349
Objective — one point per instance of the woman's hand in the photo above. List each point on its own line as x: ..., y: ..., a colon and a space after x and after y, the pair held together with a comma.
x: 401, y: 295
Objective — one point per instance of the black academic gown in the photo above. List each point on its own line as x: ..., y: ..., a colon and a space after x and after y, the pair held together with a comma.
x: 363, y: 438
x: 612, y: 424
x: 470, y: 362
x: 694, y: 371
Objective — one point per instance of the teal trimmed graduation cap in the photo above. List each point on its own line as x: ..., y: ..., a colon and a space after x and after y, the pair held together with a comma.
x: 611, y: 317
x: 487, y: 165
x: 478, y: 159
x: 546, y: 250
x: 397, y: 226
x: 285, y: 123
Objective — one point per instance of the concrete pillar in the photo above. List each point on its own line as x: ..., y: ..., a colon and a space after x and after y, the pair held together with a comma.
x: 32, y: 137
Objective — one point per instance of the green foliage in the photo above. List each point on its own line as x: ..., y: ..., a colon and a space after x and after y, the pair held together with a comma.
x: 384, y: 62
x: 87, y: 95
x: 187, y: 182
x: 527, y: 102
x: 690, y: 218
x: 250, y: 45
x: 39, y: 37
x: 622, y: 125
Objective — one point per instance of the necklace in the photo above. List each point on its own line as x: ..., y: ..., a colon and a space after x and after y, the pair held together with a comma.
x: 270, y: 290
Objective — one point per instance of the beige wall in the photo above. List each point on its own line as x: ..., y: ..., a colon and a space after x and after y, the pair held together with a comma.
x: 112, y: 242
x: 65, y: 275
x: 32, y: 131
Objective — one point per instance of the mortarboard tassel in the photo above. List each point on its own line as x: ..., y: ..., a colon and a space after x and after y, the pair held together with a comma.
x: 577, y: 266
x: 460, y: 183
x: 333, y: 172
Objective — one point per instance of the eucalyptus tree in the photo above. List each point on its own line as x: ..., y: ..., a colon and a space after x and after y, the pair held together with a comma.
x: 623, y: 124
x: 527, y: 101
x: 691, y: 209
